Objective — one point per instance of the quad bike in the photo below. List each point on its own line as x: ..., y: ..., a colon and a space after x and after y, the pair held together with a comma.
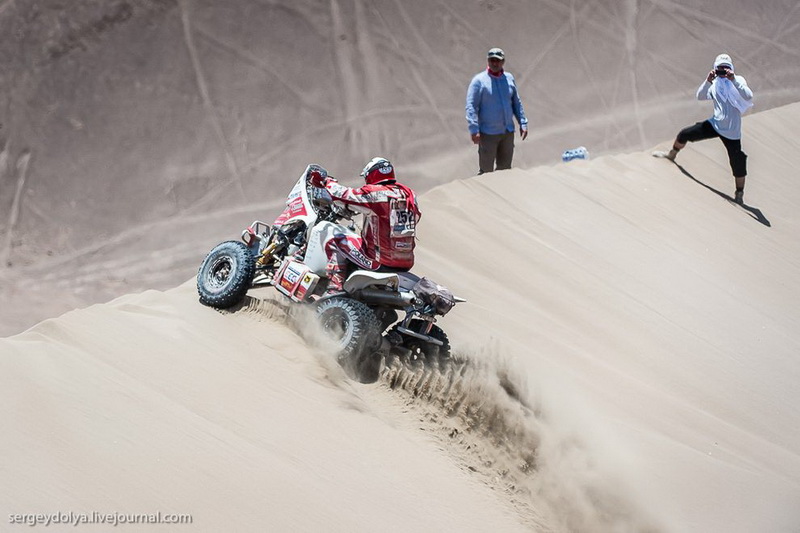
x: 363, y: 320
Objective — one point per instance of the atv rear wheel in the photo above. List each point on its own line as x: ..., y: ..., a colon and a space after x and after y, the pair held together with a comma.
x: 356, y: 333
x: 225, y: 275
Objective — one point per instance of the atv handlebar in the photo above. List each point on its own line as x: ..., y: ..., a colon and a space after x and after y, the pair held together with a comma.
x: 327, y: 207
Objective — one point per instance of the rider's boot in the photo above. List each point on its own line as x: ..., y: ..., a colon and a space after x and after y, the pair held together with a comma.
x: 336, y: 279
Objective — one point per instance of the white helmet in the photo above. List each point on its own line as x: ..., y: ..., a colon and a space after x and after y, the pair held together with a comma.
x: 377, y: 170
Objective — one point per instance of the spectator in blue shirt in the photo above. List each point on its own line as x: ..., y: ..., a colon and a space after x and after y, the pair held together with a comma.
x: 492, y: 103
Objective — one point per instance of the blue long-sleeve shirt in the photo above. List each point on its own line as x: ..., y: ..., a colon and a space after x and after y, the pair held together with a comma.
x: 492, y: 104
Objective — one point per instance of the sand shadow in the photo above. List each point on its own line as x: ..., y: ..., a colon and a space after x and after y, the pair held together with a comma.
x: 754, y: 212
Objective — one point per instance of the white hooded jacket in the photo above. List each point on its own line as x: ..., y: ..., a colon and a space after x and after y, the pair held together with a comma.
x: 731, y: 100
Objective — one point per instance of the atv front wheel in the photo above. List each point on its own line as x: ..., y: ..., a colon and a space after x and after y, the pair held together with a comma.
x: 356, y: 333
x: 225, y: 275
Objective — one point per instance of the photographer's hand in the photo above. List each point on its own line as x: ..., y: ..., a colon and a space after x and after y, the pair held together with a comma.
x: 711, y: 76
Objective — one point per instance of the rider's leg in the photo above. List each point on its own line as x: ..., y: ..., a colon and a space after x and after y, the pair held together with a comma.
x: 344, y: 252
x: 336, y: 270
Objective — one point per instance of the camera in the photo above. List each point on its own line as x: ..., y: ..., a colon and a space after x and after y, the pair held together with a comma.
x: 721, y: 72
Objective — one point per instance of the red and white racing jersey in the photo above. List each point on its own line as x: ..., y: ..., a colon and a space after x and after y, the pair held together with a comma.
x: 390, y: 220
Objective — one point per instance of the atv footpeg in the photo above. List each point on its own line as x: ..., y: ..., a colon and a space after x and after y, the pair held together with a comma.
x: 426, y: 338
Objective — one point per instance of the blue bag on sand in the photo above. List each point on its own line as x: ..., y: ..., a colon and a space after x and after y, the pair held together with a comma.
x: 576, y: 153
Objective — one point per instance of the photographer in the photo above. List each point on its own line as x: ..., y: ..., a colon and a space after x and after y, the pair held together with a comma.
x: 732, y: 97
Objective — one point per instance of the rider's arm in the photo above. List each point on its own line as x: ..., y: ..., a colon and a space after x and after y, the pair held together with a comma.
x: 359, y: 200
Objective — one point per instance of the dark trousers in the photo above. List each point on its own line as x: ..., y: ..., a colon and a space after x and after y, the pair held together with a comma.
x: 704, y: 130
x: 495, y: 147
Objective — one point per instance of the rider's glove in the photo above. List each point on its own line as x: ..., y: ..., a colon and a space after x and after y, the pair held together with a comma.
x: 317, y: 179
x: 317, y: 176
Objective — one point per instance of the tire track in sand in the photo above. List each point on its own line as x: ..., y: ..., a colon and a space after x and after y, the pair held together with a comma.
x: 481, y: 413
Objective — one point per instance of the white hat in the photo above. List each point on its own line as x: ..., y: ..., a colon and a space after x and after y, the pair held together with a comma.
x: 723, y: 59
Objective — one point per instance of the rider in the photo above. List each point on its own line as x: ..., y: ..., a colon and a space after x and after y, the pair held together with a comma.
x: 390, y: 214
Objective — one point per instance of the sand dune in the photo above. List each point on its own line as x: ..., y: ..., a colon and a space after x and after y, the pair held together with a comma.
x: 628, y: 362
x: 149, y: 124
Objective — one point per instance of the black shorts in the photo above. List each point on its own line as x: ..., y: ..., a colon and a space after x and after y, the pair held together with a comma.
x: 698, y: 132
x: 704, y: 130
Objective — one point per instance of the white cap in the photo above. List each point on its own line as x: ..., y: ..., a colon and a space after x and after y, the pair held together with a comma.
x: 723, y: 59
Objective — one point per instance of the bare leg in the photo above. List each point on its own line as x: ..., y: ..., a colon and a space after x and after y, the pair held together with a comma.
x: 672, y: 154
x: 739, y: 195
x: 676, y: 147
